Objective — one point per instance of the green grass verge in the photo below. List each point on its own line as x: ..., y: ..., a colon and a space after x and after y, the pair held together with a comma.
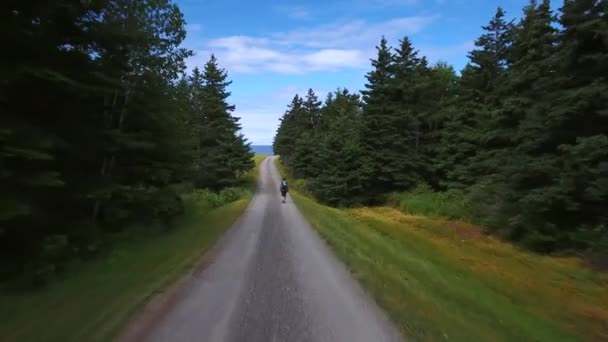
x: 446, y: 280
x: 94, y: 303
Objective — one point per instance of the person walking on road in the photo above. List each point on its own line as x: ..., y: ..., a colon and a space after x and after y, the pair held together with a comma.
x: 284, y: 189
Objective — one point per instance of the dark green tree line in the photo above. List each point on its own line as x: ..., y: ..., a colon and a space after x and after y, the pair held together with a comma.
x: 522, y: 130
x: 96, y: 126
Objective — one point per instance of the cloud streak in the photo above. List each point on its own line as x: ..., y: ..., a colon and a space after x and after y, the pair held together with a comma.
x: 355, y: 33
x: 329, y: 47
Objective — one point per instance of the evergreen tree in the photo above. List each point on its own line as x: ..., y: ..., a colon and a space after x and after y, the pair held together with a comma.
x: 304, y: 162
x: 514, y: 150
x: 467, y: 116
x: 224, y: 153
x: 95, y: 134
x: 289, y: 131
x: 312, y: 107
x: 343, y: 173
x: 522, y: 132
x: 410, y: 125
x: 381, y: 126
x: 439, y: 89
x: 567, y: 208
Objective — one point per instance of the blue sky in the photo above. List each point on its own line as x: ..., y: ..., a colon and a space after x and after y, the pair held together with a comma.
x: 275, y: 49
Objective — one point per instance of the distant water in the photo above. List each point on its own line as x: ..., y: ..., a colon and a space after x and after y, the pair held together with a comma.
x: 262, y: 149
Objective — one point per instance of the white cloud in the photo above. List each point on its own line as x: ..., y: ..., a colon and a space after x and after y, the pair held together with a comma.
x: 334, y: 58
x: 343, y: 45
x: 329, y: 47
x: 243, y: 54
x: 355, y: 33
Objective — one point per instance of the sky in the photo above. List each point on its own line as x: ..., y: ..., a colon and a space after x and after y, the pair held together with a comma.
x: 275, y: 49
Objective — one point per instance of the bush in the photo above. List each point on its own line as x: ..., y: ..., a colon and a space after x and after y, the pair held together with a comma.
x: 216, y: 200
x: 167, y: 204
x: 301, y: 185
x: 453, y: 204
x: 229, y: 195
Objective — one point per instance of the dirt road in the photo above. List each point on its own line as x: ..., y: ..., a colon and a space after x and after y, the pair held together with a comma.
x: 271, y: 279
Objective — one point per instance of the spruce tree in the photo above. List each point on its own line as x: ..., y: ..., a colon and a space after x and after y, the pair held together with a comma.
x: 380, y: 125
x: 438, y: 88
x: 224, y: 153
x: 290, y: 130
x: 577, y: 129
x: 411, y: 115
x: 92, y: 134
x: 312, y: 107
x: 304, y: 163
x: 344, y: 174
x: 515, y: 152
x: 461, y: 152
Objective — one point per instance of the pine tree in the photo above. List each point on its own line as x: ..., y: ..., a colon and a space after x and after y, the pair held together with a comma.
x: 411, y: 79
x: 345, y: 172
x: 573, y: 200
x: 514, y: 151
x: 304, y: 155
x: 94, y: 133
x: 223, y: 152
x: 312, y: 107
x: 305, y: 163
x: 290, y: 130
x: 438, y: 88
x: 522, y: 131
x: 462, y: 138
x: 380, y: 124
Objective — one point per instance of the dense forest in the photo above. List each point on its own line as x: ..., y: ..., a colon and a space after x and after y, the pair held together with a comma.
x: 522, y: 131
x: 100, y: 126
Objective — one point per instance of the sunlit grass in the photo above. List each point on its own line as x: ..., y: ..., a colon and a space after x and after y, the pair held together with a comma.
x: 446, y: 280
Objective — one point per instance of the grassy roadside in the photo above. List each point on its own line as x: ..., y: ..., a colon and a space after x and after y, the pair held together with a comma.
x: 444, y: 280
x: 94, y: 303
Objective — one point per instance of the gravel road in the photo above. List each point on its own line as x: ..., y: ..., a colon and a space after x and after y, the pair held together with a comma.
x: 270, y: 278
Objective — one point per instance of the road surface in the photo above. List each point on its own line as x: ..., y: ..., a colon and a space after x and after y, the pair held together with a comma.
x: 270, y: 278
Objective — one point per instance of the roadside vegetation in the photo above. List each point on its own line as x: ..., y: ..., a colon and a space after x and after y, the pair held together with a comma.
x: 92, y: 301
x: 106, y: 132
x: 517, y: 141
x: 423, y: 200
x: 118, y: 167
x: 441, y: 279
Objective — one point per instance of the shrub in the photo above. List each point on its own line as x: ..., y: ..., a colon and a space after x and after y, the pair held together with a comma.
x: 167, y: 204
x: 215, y: 200
x: 453, y: 204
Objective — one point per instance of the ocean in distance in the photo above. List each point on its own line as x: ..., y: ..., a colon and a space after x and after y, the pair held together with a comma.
x: 262, y: 149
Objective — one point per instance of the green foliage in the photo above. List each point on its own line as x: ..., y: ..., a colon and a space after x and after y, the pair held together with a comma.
x: 328, y: 149
x: 218, y: 141
x: 167, y: 204
x: 95, y: 135
x: 212, y: 199
x: 423, y: 200
x: 517, y: 142
x: 117, y: 283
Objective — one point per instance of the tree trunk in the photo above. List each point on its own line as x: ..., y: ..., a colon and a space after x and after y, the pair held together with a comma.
x: 108, y: 117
